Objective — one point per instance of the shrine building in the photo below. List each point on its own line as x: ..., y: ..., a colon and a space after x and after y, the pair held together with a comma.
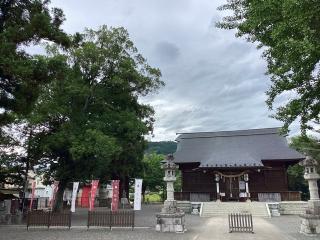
x: 235, y: 166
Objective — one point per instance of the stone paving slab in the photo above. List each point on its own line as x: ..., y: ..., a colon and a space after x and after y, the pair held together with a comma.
x: 214, y: 228
x: 264, y: 229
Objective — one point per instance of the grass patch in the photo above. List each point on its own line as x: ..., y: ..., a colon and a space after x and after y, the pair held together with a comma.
x: 153, y: 197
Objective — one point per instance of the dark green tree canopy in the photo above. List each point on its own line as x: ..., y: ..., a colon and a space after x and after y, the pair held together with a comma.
x: 289, y: 33
x: 162, y: 147
x: 93, y: 122
x: 24, y: 23
x: 152, y: 173
x: 307, y: 145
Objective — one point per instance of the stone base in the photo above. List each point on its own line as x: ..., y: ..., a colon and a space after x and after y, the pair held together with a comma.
x: 310, y: 224
x: 170, y: 207
x: 274, y: 209
x: 314, y: 207
x: 171, y: 222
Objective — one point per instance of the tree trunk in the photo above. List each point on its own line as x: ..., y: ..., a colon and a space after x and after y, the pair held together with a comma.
x: 144, y: 193
x: 58, y: 203
x: 25, y: 187
x: 124, y: 187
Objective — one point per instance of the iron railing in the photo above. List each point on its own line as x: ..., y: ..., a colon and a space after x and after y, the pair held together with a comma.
x: 240, y: 222
x: 48, y: 219
x: 119, y: 218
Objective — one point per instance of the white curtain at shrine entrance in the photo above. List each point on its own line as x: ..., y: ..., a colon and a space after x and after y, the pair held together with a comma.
x: 243, y: 181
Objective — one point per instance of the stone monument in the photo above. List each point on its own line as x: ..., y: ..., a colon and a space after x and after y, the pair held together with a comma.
x: 124, y: 200
x: 310, y: 221
x: 171, y: 218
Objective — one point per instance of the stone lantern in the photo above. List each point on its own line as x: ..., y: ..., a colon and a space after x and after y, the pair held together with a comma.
x: 311, y: 175
x: 171, y: 218
x: 310, y: 223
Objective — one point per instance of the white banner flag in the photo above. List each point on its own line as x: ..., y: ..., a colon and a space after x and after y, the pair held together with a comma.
x: 137, y: 194
x: 74, y: 196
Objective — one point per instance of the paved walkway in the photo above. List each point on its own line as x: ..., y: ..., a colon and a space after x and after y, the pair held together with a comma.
x: 282, y: 228
x: 215, y: 228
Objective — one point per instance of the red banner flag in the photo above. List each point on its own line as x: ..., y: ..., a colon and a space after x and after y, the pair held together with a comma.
x: 94, y: 187
x: 32, y: 194
x: 115, y: 195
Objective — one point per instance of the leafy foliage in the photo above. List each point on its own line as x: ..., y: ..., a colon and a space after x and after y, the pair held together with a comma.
x: 152, y: 172
x: 296, y: 181
x: 15, y: 154
x: 11, y: 171
x: 309, y: 146
x: 93, y: 124
x: 289, y: 33
x: 24, y: 23
x: 22, y: 75
x: 162, y: 147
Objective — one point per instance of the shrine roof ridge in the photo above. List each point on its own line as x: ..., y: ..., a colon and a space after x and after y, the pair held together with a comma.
x: 231, y: 133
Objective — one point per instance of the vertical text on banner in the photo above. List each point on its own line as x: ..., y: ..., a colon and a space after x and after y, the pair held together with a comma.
x: 94, y: 188
x: 74, y: 196
x: 115, y: 195
x: 137, y: 194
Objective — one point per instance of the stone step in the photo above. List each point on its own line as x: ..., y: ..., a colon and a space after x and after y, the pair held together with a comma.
x: 185, y: 206
x: 292, y: 208
x: 224, y: 208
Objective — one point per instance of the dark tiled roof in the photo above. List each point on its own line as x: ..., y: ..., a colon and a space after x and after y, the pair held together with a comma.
x: 240, y: 148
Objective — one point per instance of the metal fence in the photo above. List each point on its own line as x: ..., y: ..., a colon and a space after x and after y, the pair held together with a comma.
x: 120, y: 218
x: 240, y: 222
x: 48, y: 218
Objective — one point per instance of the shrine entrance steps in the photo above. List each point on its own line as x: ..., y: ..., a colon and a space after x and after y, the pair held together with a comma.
x: 257, y: 209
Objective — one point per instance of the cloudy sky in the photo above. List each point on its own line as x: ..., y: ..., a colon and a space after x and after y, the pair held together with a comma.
x: 214, y: 81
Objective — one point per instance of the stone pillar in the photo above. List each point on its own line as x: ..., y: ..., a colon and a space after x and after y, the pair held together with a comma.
x: 217, y: 178
x: 170, y: 191
x: 313, y: 189
x: 310, y: 221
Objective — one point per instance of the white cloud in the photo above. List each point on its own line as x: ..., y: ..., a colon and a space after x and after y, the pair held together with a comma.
x: 214, y: 81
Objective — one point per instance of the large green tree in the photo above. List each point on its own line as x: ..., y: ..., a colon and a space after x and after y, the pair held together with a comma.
x: 24, y: 23
x: 92, y: 121
x: 152, y: 173
x: 306, y: 145
x: 288, y: 31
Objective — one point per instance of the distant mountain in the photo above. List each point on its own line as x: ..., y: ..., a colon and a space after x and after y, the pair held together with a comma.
x: 163, y: 147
